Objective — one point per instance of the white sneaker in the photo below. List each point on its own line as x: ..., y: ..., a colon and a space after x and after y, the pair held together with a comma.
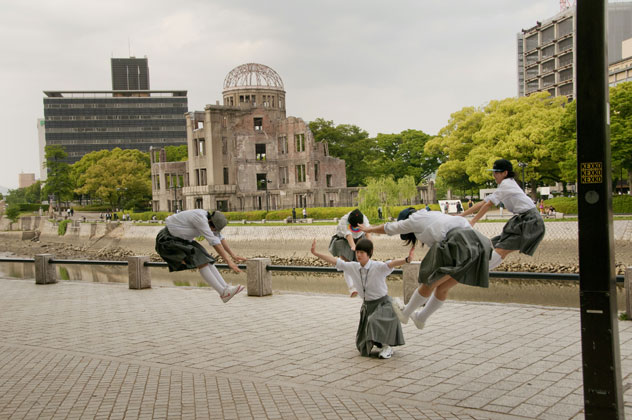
x: 230, y: 292
x: 419, y: 324
x: 398, y: 308
x: 386, y: 353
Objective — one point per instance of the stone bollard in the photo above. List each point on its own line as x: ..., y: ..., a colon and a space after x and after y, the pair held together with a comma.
x: 411, y: 274
x: 139, y: 277
x: 45, y: 271
x: 259, y: 279
x: 628, y: 292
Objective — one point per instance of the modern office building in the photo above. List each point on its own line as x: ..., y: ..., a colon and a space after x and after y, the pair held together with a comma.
x: 247, y: 155
x: 621, y: 71
x: 128, y: 118
x: 545, y: 52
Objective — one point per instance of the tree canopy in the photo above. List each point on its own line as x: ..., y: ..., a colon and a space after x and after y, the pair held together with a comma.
x: 348, y: 142
x: 177, y: 153
x: 403, y: 155
x: 58, y: 180
x: 518, y: 129
x: 119, y: 177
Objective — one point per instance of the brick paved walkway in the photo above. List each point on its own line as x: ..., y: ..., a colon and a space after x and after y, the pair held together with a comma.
x: 77, y: 350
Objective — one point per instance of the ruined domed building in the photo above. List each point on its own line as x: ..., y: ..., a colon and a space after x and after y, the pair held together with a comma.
x: 248, y: 155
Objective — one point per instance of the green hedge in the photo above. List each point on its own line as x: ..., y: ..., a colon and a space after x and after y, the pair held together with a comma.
x: 32, y: 207
x: 93, y: 207
x: 568, y: 205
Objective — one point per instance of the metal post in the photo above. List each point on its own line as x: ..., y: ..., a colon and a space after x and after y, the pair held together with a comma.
x: 603, y: 396
x: 523, y: 165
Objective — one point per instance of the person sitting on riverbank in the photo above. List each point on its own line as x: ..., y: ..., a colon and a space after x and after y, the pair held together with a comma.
x: 378, y: 325
x: 176, y: 245
x: 525, y: 230
x: 457, y: 254
x: 343, y: 243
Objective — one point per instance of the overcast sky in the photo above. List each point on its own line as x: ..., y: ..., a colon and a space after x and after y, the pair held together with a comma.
x: 383, y: 66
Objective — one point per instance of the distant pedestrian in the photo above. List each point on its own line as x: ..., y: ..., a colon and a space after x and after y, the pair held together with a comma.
x: 379, y: 213
x: 378, y: 325
x: 293, y: 214
x: 446, y: 207
x: 524, y: 231
x: 176, y: 245
x: 459, y: 207
x: 470, y: 203
x: 304, y: 213
x: 427, y: 207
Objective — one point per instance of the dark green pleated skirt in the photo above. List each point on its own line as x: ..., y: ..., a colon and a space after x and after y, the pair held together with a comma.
x: 463, y: 255
x: 522, y: 232
x: 180, y: 254
x: 339, y: 247
x: 378, y: 324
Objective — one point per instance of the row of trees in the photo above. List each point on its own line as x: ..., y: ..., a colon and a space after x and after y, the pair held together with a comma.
x: 537, y: 131
x: 117, y: 178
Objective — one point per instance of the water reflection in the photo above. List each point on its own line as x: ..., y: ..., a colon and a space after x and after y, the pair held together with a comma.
x: 160, y: 277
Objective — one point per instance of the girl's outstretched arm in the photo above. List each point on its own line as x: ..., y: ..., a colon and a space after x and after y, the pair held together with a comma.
x: 330, y: 259
x: 402, y: 261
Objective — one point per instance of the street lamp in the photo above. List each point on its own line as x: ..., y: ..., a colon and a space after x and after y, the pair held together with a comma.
x: 523, y: 165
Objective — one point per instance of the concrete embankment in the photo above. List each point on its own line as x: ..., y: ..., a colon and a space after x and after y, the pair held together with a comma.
x: 559, y: 245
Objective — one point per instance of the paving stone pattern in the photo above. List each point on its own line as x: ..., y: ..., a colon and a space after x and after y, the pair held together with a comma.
x: 76, y: 350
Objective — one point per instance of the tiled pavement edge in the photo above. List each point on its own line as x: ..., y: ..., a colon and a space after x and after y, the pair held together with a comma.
x: 77, y: 350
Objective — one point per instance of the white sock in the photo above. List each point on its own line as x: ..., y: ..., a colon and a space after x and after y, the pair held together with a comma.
x: 212, y: 277
x: 431, y: 307
x: 349, y: 282
x: 495, y: 260
x: 416, y: 300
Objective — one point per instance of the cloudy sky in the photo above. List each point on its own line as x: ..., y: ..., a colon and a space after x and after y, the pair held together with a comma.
x: 383, y: 66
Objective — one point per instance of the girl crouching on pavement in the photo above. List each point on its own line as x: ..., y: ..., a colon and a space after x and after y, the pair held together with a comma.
x: 378, y: 325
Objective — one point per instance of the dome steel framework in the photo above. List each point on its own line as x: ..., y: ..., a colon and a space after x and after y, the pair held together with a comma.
x: 253, y: 75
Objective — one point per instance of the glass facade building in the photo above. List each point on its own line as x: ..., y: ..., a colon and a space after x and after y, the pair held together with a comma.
x: 87, y: 121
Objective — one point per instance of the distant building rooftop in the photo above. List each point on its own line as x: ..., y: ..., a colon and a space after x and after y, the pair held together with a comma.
x: 112, y: 93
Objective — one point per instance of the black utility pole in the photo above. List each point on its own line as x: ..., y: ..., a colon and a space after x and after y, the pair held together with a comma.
x: 603, y: 398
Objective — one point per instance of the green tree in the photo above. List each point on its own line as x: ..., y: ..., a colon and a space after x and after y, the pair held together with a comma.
x: 621, y: 129
x: 13, y: 212
x: 350, y: 143
x: 519, y: 129
x: 121, y: 179
x: 452, y: 146
x: 16, y: 196
x: 406, y: 189
x: 33, y: 193
x: 564, y: 150
x: 177, y: 153
x: 403, y: 155
x: 82, y: 165
x: 379, y: 192
x: 58, y: 181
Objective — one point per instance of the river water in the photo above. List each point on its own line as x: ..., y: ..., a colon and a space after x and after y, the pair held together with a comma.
x: 537, y: 292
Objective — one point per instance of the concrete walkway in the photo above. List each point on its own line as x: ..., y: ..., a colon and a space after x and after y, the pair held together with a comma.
x: 80, y: 350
